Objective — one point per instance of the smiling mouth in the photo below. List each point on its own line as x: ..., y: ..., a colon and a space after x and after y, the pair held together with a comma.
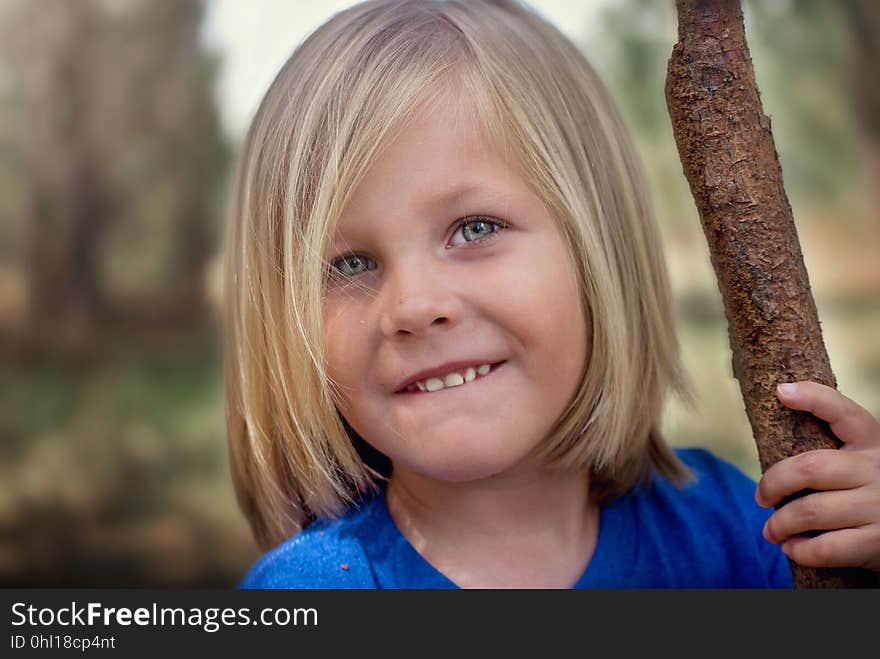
x: 413, y: 390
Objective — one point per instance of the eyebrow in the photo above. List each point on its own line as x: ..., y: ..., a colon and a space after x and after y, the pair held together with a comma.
x: 454, y: 194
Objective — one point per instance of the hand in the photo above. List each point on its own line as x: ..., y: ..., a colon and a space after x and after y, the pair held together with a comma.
x: 847, y: 501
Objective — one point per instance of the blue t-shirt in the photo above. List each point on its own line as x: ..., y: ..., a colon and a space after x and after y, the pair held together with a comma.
x: 705, y: 535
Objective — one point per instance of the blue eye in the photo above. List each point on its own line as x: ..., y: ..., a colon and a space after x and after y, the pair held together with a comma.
x: 347, y: 266
x: 476, y: 231
x: 479, y: 229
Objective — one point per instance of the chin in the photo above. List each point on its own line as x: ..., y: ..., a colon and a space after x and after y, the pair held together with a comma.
x: 467, y: 469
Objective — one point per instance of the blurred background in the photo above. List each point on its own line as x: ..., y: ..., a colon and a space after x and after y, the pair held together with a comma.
x: 120, y: 122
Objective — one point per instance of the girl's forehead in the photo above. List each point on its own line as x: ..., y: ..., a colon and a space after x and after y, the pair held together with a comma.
x: 430, y: 170
x: 444, y: 160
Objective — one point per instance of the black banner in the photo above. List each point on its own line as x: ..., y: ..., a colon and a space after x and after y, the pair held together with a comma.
x: 142, y: 622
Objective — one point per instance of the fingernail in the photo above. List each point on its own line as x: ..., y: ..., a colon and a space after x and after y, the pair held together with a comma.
x: 787, y: 388
x: 767, y: 533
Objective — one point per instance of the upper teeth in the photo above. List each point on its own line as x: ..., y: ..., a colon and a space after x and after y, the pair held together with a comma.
x: 453, y: 379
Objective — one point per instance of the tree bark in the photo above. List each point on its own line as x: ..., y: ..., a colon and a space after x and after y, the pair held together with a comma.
x: 729, y: 158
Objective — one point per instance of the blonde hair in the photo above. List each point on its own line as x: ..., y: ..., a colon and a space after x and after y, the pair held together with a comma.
x: 340, y: 99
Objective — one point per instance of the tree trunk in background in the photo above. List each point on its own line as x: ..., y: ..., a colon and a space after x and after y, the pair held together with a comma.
x: 729, y: 158
x: 863, y: 17
x: 189, y: 130
x: 115, y: 126
x: 67, y: 195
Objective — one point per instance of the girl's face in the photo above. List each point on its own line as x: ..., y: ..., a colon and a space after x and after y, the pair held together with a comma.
x: 444, y: 259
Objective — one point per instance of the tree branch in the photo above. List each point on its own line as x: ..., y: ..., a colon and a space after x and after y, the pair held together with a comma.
x: 729, y: 159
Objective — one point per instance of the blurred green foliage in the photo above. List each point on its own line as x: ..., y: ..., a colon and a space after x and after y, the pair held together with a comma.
x: 112, y: 199
x: 122, y: 463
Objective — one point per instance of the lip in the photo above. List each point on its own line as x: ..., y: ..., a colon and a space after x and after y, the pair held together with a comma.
x: 443, y: 369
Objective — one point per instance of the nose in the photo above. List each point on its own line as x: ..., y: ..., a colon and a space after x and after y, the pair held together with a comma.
x: 417, y: 299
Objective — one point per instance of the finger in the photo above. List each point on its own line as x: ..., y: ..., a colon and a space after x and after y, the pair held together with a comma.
x: 849, y: 421
x: 822, y: 469
x: 820, y: 511
x: 843, y: 548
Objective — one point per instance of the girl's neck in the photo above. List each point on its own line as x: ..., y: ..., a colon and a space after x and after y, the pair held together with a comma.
x: 526, y: 530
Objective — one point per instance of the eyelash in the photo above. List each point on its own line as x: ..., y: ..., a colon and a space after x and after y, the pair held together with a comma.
x: 334, y: 273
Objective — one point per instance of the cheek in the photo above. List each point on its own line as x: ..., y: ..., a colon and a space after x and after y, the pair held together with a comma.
x: 543, y: 304
x: 342, y: 345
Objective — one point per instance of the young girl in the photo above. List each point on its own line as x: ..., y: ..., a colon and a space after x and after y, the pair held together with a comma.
x: 450, y: 334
